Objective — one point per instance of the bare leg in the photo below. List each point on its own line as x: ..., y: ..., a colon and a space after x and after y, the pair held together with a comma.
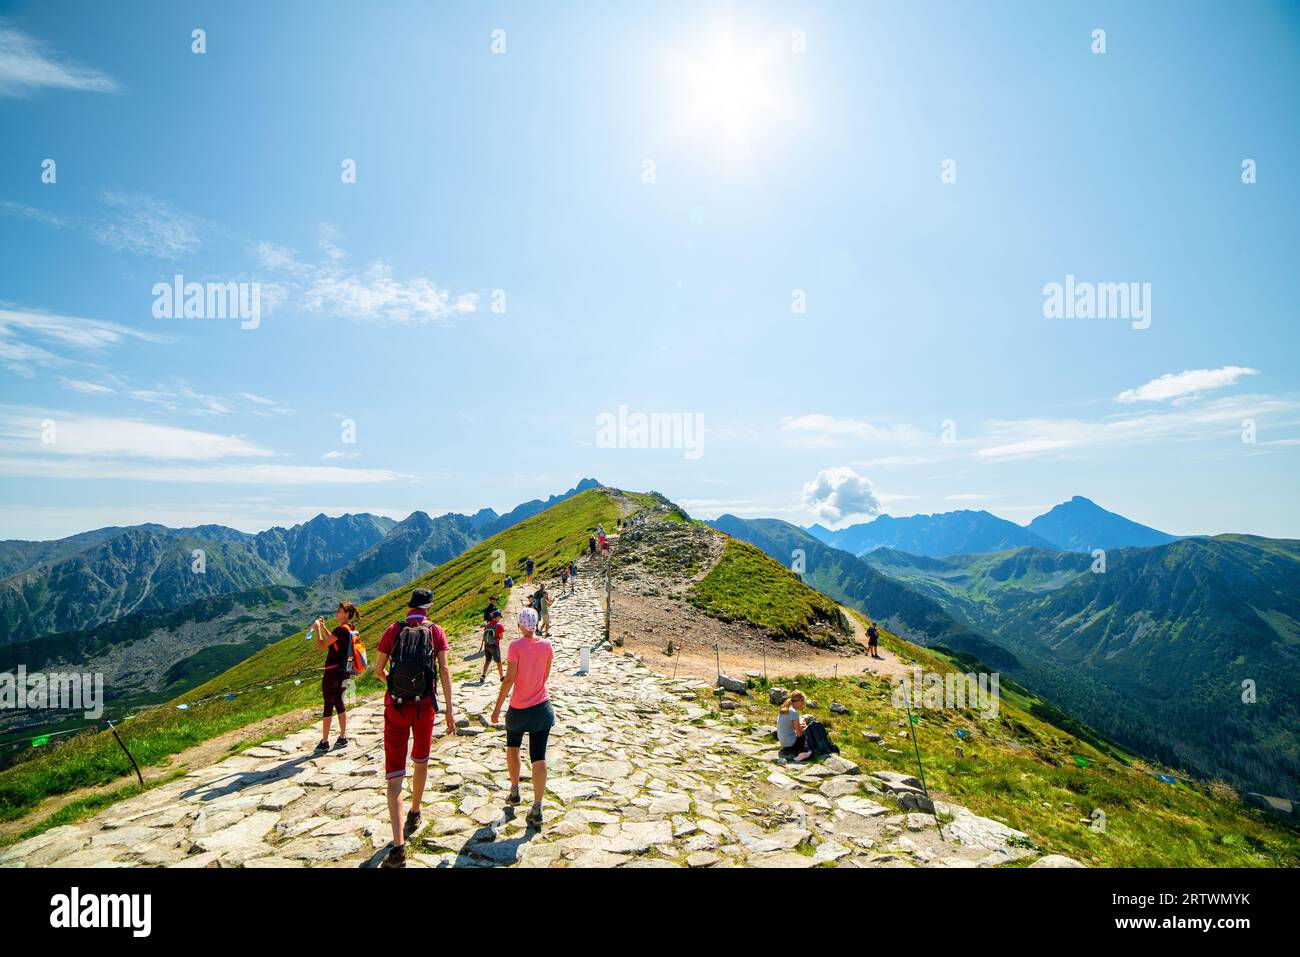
x: 343, y: 725
x: 512, y: 765
x: 539, y: 779
x: 395, y: 809
x: 417, y: 785
x: 325, y: 728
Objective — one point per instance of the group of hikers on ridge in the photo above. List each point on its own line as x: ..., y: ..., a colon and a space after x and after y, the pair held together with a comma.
x: 411, y: 661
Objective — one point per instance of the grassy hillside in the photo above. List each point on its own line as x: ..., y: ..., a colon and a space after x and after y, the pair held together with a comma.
x: 746, y: 585
x: 460, y: 588
x: 1020, y: 768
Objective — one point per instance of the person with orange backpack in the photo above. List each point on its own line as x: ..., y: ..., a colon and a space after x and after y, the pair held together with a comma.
x: 341, y: 645
x: 411, y: 659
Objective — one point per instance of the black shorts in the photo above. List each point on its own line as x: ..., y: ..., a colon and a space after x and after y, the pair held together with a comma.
x: 332, y: 691
x: 492, y: 652
x: 536, y: 722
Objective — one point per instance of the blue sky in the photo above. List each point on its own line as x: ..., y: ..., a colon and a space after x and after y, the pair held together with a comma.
x: 795, y: 150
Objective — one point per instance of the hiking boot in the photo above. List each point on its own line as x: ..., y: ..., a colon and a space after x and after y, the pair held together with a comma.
x: 322, y: 747
x: 534, y: 818
x: 514, y: 796
x: 413, y: 821
x: 341, y: 743
x: 395, y: 857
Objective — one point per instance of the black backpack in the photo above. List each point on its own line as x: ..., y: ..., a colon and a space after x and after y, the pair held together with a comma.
x: 412, y: 669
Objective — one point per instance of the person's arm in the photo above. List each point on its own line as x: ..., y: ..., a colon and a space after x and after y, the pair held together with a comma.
x: 318, y: 626
x: 381, y: 667
x: 445, y: 673
x: 511, y: 668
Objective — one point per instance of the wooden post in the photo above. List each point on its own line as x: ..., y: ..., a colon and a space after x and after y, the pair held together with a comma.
x: 128, y: 753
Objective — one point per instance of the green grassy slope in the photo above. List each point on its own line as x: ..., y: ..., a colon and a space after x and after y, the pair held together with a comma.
x: 746, y: 585
x: 1020, y: 768
x: 460, y: 588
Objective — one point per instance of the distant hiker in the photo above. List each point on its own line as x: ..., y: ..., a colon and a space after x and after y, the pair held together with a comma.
x: 591, y: 544
x: 564, y: 578
x: 873, y: 641
x: 491, y: 607
x: 604, y: 545
x: 573, y: 575
x: 528, y: 668
x: 542, y: 602
x: 529, y: 566
x: 600, y: 531
x: 493, y: 632
x: 509, y: 582
x: 416, y: 649
x: 801, y: 738
x: 337, y: 658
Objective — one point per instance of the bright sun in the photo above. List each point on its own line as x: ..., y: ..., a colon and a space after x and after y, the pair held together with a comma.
x: 728, y: 93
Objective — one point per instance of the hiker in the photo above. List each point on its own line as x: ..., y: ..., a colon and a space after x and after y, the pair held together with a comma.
x: 591, y: 544
x: 528, y: 668
x: 573, y: 575
x: 542, y: 602
x: 564, y: 579
x: 873, y: 641
x: 493, y: 632
x: 509, y: 582
x: 416, y: 648
x: 491, y: 607
x: 529, y: 566
x: 339, y: 654
x: 801, y: 738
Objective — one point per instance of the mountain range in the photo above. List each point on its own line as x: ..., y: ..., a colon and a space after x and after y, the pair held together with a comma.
x: 1186, y: 651
x: 78, y: 582
x: 1076, y: 525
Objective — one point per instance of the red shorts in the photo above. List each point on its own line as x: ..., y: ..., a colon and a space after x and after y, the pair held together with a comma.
x: 399, y: 723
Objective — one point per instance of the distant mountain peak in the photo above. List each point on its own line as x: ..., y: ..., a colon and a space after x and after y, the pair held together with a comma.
x: 1081, y: 525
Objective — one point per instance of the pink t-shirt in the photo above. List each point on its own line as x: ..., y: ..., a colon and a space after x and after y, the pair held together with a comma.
x: 533, y: 658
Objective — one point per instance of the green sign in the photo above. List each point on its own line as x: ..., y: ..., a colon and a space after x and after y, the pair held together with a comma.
x: 43, y: 739
x: 1081, y: 762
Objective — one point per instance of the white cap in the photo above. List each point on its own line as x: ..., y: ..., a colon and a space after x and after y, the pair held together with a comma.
x: 528, y: 619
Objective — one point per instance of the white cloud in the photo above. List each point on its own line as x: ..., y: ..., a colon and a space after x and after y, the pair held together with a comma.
x: 330, y: 288
x: 82, y: 468
x: 1184, y: 385
x: 839, y: 493
x: 27, y: 334
x: 25, y: 68
x: 142, y: 224
x: 90, y: 436
x: 822, y: 431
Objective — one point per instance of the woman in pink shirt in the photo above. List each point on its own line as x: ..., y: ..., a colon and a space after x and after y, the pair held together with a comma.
x: 528, y: 666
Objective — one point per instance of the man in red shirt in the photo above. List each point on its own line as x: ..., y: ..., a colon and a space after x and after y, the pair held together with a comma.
x: 408, y: 712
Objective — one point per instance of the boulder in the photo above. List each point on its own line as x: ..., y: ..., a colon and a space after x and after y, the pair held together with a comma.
x: 732, y: 684
x: 894, y: 777
x: 777, y: 696
x: 837, y: 708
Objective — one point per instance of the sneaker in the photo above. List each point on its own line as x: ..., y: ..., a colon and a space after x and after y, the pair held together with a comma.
x: 413, y: 821
x: 514, y: 796
x: 341, y: 743
x: 395, y: 857
x: 534, y: 818
x: 322, y: 747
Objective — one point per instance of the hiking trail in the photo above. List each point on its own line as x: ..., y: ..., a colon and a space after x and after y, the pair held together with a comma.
x: 640, y: 775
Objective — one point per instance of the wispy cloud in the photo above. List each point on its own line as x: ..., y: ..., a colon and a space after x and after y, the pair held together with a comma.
x: 145, y: 225
x: 372, y: 293
x: 819, y: 430
x: 1181, y: 386
x: 27, y: 67
x: 220, y: 474
x: 61, y: 434
x: 28, y: 335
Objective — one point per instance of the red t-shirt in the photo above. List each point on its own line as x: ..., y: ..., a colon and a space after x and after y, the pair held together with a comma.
x: 497, y: 627
x: 413, y: 617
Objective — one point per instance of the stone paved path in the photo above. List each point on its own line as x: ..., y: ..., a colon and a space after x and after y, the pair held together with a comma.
x: 641, y: 775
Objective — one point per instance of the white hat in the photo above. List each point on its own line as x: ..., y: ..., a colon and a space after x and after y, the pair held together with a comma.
x: 528, y: 619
